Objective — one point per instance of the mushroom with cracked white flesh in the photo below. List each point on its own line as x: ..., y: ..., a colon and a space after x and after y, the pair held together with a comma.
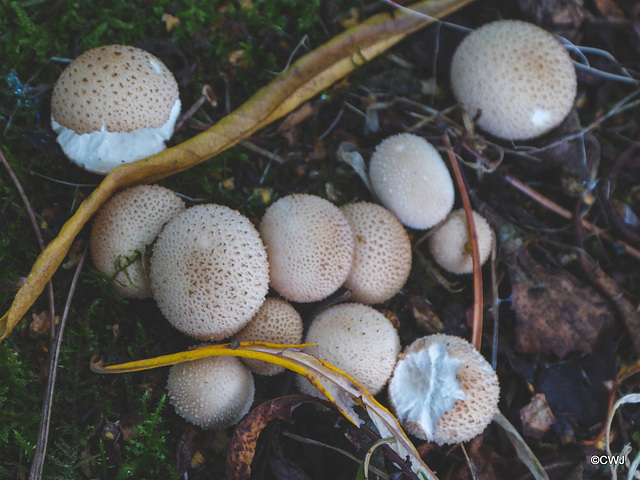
x: 209, y: 272
x: 112, y: 105
x: 310, y: 247
x: 381, y: 255
x: 212, y: 392
x: 442, y: 390
x: 358, y: 340
x: 124, y: 228
x: 518, y: 76
x: 410, y: 178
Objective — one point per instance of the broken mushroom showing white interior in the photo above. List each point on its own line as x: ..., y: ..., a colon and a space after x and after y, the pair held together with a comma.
x: 212, y: 392
x: 123, y: 231
x: 518, y: 76
x: 443, y: 391
x: 112, y: 105
x: 209, y: 273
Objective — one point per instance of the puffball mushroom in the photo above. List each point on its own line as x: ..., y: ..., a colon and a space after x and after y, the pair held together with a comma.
x: 209, y: 272
x: 112, y: 105
x: 276, y: 322
x: 212, y: 392
x: 410, y: 178
x: 381, y: 256
x: 123, y: 229
x: 517, y: 75
x: 310, y: 247
x: 443, y: 390
x: 450, y: 243
x: 358, y: 340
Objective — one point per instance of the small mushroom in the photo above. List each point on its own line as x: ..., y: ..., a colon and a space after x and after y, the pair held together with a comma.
x: 410, y: 178
x: 517, y: 75
x: 209, y: 272
x: 212, y: 392
x: 442, y: 390
x: 112, y: 105
x: 122, y: 231
x: 358, y: 340
x: 381, y: 255
x: 310, y: 247
x: 450, y: 243
x: 276, y: 322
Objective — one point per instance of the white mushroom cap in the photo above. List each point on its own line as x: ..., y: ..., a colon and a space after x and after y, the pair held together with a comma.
x: 450, y: 242
x: 518, y: 75
x: 381, y: 256
x: 209, y: 272
x: 411, y: 179
x: 310, y: 247
x: 358, y: 340
x: 276, y: 322
x: 114, y: 104
x: 443, y: 390
x: 124, y: 227
x: 212, y: 392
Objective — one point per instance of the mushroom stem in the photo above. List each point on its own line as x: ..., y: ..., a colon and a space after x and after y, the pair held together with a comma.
x: 476, y: 336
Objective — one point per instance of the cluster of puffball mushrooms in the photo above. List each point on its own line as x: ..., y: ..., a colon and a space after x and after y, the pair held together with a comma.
x: 210, y: 270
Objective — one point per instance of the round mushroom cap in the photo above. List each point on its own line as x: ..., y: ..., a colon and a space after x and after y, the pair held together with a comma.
x: 410, y: 178
x: 310, y: 247
x: 276, y: 322
x: 381, y: 255
x: 443, y: 390
x: 114, y: 104
x: 124, y: 228
x: 518, y: 75
x: 212, y: 392
x: 450, y: 243
x: 358, y: 340
x: 209, y: 272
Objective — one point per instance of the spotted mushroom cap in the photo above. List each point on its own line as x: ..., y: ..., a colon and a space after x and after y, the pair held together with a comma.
x: 112, y: 105
x: 443, y: 390
x: 212, y: 393
x: 381, y: 256
x: 123, y: 229
x: 358, y: 340
x: 310, y: 247
x: 276, y: 322
x: 209, y: 272
x: 450, y: 246
x: 410, y: 178
x: 518, y: 75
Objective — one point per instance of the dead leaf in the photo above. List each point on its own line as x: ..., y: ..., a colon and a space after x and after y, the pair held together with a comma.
x: 245, y: 437
x: 610, y: 9
x: 289, y: 128
x: 170, y: 21
x: 537, y: 417
x: 338, y: 387
x: 304, y: 79
x: 555, y: 312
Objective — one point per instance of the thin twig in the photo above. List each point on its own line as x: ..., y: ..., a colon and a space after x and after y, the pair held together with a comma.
x: 56, y: 342
x: 476, y: 336
x: 563, y: 212
x: 36, y: 230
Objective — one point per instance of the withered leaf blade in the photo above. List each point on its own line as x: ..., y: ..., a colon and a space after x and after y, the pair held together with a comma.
x: 245, y: 437
x: 555, y: 312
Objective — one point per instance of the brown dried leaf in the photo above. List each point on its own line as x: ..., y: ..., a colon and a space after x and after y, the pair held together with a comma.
x: 555, y: 312
x: 537, y: 417
x: 245, y: 437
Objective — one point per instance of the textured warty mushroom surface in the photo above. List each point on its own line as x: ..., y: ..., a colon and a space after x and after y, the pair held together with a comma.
x: 411, y: 179
x: 381, y: 255
x: 209, y: 272
x: 276, y: 322
x: 443, y: 395
x: 518, y: 75
x: 358, y: 340
x: 212, y: 393
x: 310, y: 247
x: 124, y: 227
